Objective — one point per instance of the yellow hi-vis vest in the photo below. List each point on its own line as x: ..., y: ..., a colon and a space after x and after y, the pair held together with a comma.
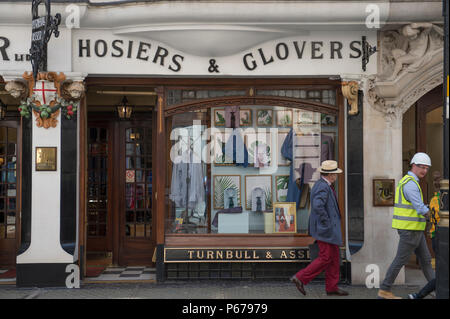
x: 405, y: 216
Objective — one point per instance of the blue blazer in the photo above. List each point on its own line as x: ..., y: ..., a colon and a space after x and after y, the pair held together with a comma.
x: 324, y: 219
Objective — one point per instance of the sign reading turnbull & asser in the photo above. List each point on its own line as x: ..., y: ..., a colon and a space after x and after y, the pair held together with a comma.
x: 235, y: 254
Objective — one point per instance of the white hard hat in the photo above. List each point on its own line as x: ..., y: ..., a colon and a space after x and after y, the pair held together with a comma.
x: 421, y: 158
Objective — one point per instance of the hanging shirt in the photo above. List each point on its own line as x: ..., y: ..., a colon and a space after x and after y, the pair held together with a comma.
x: 187, y: 180
x: 236, y: 149
x: 327, y: 148
x: 294, y: 193
x: 232, y: 117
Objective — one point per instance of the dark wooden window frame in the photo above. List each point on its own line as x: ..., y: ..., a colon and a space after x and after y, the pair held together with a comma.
x: 162, y: 85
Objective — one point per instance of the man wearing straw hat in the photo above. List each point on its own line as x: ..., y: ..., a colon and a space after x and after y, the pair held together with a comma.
x: 325, y: 227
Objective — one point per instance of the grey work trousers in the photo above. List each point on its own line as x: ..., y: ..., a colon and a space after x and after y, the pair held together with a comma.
x: 411, y: 241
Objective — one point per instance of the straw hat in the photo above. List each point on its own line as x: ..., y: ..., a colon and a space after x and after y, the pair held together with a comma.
x: 330, y: 167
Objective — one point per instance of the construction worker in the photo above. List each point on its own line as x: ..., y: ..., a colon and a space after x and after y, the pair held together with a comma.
x: 434, y: 220
x: 410, y: 216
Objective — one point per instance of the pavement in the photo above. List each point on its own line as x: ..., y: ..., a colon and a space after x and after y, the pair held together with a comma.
x: 207, y: 289
x: 196, y: 290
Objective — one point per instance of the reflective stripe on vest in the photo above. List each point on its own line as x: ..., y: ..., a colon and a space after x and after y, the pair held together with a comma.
x: 405, y: 216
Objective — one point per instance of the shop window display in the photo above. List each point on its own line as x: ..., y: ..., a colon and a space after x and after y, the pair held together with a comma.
x: 229, y: 178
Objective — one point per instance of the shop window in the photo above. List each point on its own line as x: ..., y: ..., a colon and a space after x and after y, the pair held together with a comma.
x: 233, y: 169
x: 183, y: 96
x: 323, y: 96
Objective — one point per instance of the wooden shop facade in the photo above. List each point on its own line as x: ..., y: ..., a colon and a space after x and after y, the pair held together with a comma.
x: 178, y: 149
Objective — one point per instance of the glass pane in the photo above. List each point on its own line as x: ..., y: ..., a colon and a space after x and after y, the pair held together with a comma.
x: 10, y: 231
x: 2, y: 149
x: 2, y: 203
x: 129, y: 230
x: 12, y: 203
x: 103, y: 135
x: 2, y: 231
x: 140, y: 177
x: 129, y: 217
x: 129, y: 149
x: 129, y: 162
x: 12, y: 149
x: 12, y: 190
x: 140, y: 230
x: 12, y: 178
x: 93, y: 133
x: 2, y: 217
x: 11, y: 218
x: 101, y: 230
x: 3, y: 134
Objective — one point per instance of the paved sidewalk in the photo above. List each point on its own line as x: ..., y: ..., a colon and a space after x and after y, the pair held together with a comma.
x: 196, y: 290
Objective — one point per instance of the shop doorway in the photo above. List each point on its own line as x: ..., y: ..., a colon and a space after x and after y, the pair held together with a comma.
x: 119, y: 213
x: 423, y: 132
x: 9, y: 194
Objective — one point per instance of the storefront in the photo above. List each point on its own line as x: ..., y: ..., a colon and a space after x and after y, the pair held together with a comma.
x: 211, y: 174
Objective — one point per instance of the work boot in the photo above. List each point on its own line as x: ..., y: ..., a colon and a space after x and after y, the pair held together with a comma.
x: 384, y: 294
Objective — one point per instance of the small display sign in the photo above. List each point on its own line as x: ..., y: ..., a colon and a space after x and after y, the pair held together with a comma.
x: 46, y: 158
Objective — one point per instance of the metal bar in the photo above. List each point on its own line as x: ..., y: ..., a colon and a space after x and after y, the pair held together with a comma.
x: 127, y: 92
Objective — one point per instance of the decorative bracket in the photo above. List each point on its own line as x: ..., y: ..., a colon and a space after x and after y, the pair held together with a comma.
x: 350, y: 92
x: 367, y: 51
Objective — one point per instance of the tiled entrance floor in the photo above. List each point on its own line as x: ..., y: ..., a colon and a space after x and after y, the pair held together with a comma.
x: 125, y: 273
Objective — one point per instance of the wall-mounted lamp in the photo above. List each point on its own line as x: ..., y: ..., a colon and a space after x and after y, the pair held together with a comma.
x: 124, y: 109
x: 2, y: 110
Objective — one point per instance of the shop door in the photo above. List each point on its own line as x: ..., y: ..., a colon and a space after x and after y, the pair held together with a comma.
x: 429, y: 132
x: 9, y: 194
x: 136, y: 222
x: 99, y: 192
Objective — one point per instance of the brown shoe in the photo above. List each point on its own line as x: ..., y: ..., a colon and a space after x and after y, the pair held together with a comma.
x: 384, y: 294
x: 338, y: 292
x: 299, y: 284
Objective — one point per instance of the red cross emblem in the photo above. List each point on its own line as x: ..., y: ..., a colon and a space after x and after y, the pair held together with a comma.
x: 45, y: 91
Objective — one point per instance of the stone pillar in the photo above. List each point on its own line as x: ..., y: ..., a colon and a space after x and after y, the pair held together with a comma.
x: 382, y: 159
x: 49, y: 192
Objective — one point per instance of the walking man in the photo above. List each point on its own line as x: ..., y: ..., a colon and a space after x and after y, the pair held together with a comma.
x: 325, y: 227
x: 410, y: 216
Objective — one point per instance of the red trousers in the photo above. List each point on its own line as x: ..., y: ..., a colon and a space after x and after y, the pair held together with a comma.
x: 328, y: 260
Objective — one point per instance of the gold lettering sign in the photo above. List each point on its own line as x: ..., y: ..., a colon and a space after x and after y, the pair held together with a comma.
x: 45, y: 159
x: 241, y: 254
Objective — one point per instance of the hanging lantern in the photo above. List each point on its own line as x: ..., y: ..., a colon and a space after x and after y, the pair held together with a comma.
x: 124, y: 109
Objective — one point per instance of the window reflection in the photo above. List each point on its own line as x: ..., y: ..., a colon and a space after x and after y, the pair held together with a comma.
x: 267, y: 155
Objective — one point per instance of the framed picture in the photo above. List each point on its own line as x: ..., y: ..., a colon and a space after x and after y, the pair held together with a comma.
x: 264, y: 117
x: 307, y: 117
x: 326, y: 119
x: 45, y: 159
x: 263, y: 182
x: 282, y: 161
x: 284, y: 118
x: 383, y: 192
x: 219, y: 117
x: 282, y: 182
x: 284, y: 218
x: 259, y: 146
x: 221, y: 185
x: 245, y: 117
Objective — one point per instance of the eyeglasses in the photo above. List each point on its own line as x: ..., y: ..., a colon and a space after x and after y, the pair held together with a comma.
x: 423, y: 167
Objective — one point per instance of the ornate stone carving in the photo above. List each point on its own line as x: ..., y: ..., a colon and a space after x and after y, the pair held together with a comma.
x: 71, y: 90
x: 409, y: 48
x: 410, y: 66
x: 18, y: 89
x: 350, y: 92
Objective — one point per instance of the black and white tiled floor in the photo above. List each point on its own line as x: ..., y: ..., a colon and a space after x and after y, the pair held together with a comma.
x: 126, y: 273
